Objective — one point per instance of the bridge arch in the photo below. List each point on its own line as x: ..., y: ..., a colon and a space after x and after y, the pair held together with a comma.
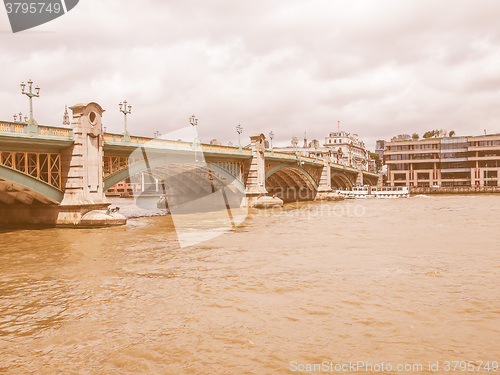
x: 151, y: 164
x: 340, y: 181
x: 366, y: 181
x: 19, y: 186
x: 290, y: 182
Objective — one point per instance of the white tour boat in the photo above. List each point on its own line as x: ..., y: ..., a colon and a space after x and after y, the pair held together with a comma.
x: 363, y: 192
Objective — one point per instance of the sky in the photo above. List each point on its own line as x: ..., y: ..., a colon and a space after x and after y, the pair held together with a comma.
x: 380, y: 68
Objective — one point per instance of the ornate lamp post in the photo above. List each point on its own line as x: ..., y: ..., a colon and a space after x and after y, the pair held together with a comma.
x: 271, y: 136
x: 123, y: 109
x: 239, y: 129
x: 32, y: 125
x: 194, y: 121
x: 295, y: 142
x: 196, y: 141
x: 20, y: 117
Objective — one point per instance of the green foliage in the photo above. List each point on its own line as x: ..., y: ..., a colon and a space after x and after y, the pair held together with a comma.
x: 378, y: 162
x: 452, y: 133
x: 430, y: 134
x: 415, y: 136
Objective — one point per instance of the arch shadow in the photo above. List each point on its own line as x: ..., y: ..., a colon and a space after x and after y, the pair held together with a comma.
x: 37, y: 189
x: 149, y: 164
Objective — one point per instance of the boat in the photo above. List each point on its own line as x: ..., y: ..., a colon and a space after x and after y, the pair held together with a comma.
x: 367, y: 192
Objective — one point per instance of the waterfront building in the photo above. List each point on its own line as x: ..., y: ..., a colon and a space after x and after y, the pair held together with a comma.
x: 144, y: 184
x: 310, y: 149
x: 401, y: 137
x: 444, y: 162
x: 350, y: 149
x: 380, y: 148
x: 342, y: 147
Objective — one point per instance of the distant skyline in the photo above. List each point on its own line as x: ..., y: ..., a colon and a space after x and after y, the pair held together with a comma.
x: 381, y: 68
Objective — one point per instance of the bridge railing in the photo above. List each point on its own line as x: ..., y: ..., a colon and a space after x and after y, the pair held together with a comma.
x: 22, y: 128
x: 286, y: 155
x: 120, y: 138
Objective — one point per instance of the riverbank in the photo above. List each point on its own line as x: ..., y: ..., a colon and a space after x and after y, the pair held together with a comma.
x: 456, y: 190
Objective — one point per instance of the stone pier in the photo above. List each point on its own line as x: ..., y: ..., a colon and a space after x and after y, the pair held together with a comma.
x: 84, y: 202
x: 255, y: 187
x: 325, y: 181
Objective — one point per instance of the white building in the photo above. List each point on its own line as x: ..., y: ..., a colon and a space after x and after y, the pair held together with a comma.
x: 342, y: 147
x: 350, y: 150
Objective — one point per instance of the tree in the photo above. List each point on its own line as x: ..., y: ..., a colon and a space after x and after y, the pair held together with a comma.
x: 441, y: 133
x: 429, y: 134
x: 452, y: 133
x: 415, y: 136
x: 378, y: 162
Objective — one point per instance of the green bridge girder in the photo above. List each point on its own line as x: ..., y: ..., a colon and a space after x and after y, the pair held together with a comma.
x: 40, y: 188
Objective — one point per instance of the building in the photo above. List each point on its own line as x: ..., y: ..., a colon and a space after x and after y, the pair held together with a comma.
x: 312, y: 149
x: 444, y: 162
x: 350, y: 150
x: 143, y: 183
x: 380, y: 148
x: 341, y: 147
x: 401, y: 137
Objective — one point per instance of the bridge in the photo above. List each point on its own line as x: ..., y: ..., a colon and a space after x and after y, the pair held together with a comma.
x: 58, y: 176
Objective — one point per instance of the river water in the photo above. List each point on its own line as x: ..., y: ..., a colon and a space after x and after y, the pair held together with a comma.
x: 404, y: 281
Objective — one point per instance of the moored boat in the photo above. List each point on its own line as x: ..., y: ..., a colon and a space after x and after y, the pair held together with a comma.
x: 365, y: 192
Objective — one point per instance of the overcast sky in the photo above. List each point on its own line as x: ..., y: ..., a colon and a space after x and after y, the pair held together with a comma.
x: 381, y: 67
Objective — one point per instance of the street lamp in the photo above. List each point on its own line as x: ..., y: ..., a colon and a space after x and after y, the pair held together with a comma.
x: 20, y: 117
x: 271, y: 136
x: 239, y: 129
x: 32, y: 125
x: 295, y: 142
x: 194, y: 121
x: 123, y: 109
x: 196, y: 141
